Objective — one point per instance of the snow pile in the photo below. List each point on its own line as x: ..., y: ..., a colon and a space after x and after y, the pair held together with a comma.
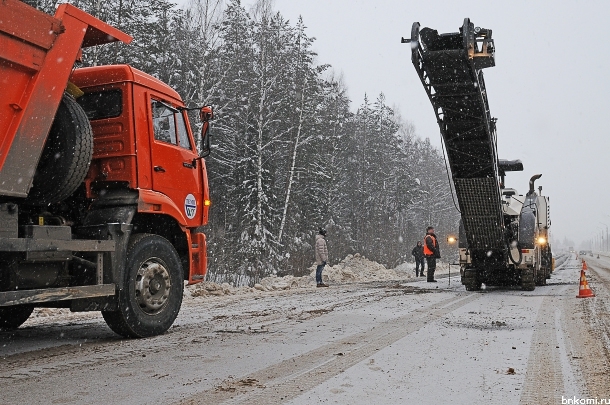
x: 354, y: 268
x: 284, y: 283
x: 40, y: 314
x: 357, y: 268
x: 406, y: 267
x: 273, y: 283
x: 209, y: 288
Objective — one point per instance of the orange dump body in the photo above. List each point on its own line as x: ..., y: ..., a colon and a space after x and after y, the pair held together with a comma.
x: 37, y: 54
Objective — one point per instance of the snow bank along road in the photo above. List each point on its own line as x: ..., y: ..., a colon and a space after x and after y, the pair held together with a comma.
x: 383, y: 342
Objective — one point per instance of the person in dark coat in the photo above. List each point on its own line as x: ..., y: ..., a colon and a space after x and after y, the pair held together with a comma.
x: 420, y: 259
x: 431, y: 252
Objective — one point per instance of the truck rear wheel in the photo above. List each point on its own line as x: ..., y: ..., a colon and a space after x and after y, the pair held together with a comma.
x: 66, y: 155
x: 152, y: 290
x: 541, y: 276
x: 13, y: 317
x: 473, y: 286
x: 471, y: 280
x: 528, y: 280
x: 547, y: 261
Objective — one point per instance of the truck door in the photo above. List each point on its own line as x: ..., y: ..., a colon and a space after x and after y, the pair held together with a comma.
x: 174, y: 161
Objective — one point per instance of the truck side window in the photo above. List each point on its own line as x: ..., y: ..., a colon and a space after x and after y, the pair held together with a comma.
x: 102, y: 104
x: 183, y: 135
x: 163, y: 123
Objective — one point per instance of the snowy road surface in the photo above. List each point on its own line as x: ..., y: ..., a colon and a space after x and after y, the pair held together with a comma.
x: 364, y: 343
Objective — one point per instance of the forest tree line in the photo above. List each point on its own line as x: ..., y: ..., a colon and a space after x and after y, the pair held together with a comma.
x: 290, y: 152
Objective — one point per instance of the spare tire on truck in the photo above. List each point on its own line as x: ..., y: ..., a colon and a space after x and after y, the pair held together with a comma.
x: 66, y: 155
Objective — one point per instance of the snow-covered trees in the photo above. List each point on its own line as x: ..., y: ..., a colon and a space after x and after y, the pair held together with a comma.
x: 289, y: 155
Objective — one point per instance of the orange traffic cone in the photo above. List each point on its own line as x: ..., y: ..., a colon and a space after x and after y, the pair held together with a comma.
x: 583, y: 290
x: 584, y: 266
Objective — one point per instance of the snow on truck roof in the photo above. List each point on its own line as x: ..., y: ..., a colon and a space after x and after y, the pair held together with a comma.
x: 100, y: 75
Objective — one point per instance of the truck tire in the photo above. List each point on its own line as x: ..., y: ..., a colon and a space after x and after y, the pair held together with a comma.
x: 152, y: 289
x: 528, y: 280
x: 13, y: 317
x: 471, y: 280
x: 547, y: 261
x: 541, y: 276
x: 473, y: 286
x: 66, y: 155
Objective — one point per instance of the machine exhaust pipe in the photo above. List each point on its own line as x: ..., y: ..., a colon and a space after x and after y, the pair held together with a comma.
x: 532, y: 181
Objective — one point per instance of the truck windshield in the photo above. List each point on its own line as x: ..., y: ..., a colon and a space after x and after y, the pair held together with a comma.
x: 169, y: 122
x: 102, y: 104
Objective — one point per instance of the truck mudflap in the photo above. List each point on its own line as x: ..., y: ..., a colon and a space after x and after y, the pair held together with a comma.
x: 199, y: 259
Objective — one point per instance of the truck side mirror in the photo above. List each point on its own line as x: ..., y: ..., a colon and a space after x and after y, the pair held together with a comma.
x: 205, y: 140
x: 205, y: 114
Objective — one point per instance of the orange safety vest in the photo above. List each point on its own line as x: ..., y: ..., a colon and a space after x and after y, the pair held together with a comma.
x: 427, y: 251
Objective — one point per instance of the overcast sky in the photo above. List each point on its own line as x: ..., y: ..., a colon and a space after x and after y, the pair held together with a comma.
x: 549, y: 89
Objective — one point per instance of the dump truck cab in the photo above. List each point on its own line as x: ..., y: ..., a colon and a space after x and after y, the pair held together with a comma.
x: 144, y: 150
x: 142, y: 140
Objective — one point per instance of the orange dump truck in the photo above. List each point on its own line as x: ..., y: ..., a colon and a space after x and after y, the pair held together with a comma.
x: 103, y: 193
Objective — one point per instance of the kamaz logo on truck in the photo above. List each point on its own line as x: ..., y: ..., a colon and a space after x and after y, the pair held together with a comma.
x: 190, y: 206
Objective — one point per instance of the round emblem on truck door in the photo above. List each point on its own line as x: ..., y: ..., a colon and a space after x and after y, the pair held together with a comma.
x: 190, y: 206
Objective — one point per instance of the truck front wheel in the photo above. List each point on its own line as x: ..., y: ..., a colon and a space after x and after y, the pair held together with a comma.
x: 152, y: 290
x: 13, y: 317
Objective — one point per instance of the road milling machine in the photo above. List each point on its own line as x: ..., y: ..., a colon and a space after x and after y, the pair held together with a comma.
x: 503, y: 236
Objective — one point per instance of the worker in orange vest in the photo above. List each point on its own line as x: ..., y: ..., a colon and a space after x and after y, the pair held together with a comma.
x: 432, y: 252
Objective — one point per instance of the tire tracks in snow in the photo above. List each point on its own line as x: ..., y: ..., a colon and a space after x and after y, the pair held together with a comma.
x: 288, y: 379
x: 570, y: 350
x: 544, y: 378
x: 225, y: 316
x: 591, y: 321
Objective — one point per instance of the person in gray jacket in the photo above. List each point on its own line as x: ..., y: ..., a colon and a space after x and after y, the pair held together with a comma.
x: 321, y: 256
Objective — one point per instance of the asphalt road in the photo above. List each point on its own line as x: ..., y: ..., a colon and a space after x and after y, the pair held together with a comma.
x: 381, y: 342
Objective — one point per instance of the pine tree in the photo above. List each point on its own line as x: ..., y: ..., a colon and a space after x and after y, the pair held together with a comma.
x: 231, y: 70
